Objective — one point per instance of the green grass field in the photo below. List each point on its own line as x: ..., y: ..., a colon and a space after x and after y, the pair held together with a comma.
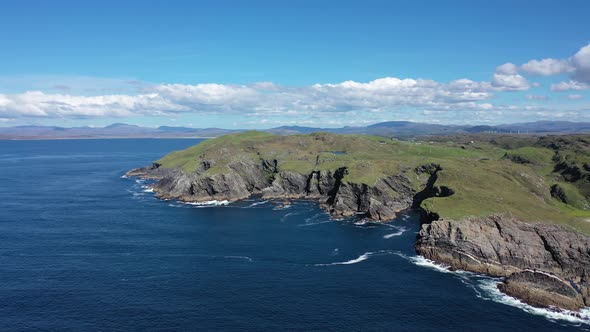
x: 489, y: 175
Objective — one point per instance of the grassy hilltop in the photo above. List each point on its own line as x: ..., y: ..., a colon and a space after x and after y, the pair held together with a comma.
x: 532, y: 179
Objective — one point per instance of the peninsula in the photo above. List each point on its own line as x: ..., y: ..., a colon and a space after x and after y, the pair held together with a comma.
x: 508, y: 206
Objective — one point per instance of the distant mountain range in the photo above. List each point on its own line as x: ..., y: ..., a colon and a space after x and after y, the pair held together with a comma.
x: 390, y: 128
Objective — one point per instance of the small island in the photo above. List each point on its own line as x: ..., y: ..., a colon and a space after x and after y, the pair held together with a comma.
x: 515, y: 207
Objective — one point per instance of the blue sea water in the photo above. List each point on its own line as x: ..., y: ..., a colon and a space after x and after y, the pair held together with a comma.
x: 83, y: 249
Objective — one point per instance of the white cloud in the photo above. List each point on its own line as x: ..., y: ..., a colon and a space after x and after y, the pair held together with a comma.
x: 507, y: 69
x: 581, y: 64
x: 576, y: 66
x: 39, y: 104
x: 506, y: 78
x: 547, y: 67
x: 537, y: 97
x: 570, y: 85
x: 266, y: 98
x: 380, y: 97
x: 574, y: 97
x: 510, y: 82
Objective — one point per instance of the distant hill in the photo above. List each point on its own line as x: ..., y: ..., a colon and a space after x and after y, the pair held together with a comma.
x: 388, y: 129
x: 548, y: 127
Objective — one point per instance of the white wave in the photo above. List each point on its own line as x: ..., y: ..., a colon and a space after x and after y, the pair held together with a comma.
x: 282, y: 207
x: 139, y: 180
x: 246, y: 258
x: 148, y: 190
x: 401, y: 231
x: 284, y: 218
x: 313, y: 220
x: 315, y: 223
x: 208, y: 203
x: 359, y: 259
x: 425, y: 262
x: 491, y: 291
x: 256, y: 203
x: 124, y: 177
x: 364, y: 221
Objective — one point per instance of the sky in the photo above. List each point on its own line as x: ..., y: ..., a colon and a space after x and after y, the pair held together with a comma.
x: 261, y: 64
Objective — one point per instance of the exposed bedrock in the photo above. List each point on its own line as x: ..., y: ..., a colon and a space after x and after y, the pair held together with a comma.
x: 380, y: 201
x: 543, y: 265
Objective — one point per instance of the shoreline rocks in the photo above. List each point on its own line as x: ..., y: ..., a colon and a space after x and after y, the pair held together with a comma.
x: 341, y: 198
x: 543, y: 265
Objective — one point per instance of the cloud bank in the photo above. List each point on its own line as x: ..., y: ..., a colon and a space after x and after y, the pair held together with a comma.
x: 260, y: 98
x: 388, y: 94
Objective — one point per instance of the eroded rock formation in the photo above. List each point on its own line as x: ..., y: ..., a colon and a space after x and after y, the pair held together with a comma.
x: 380, y: 201
x: 543, y: 265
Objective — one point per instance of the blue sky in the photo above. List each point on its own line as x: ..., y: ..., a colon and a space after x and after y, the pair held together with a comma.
x: 257, y: 64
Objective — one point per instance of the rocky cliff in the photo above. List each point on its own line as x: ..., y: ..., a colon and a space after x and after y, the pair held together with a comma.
x: 543, y: 265
x: 380, y: 201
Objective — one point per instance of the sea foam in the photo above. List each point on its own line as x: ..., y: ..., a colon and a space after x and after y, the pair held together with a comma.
x: 360, y: 258
x: 491, y: 292
x: 401, y: 231
x: 208, y: 203
x: 486, y: 288
x: 256, y: 204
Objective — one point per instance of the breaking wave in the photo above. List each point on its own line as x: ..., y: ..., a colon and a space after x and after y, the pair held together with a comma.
x: 486, y: 288
x: 208, y: 203
x: 256, y: 204
x: 360, y: 258
x: 491, y: 292
x: 284, y: 218
x: 401, y: 231
x: 246, y: 258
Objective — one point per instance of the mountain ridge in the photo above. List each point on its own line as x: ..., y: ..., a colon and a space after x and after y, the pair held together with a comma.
x: 387, y: 129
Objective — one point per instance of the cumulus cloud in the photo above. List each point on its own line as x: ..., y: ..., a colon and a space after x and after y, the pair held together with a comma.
x: 537, y: 97
x: 574, y: 97
x: 264, y: 99
x: 507, y: 69
x: 570, y: 85
x: 39, y: 104
x: 576, y: 66
x: 506, y: 78
x: 261, y: 98
x: 547, y: 67
x: 581, y: 64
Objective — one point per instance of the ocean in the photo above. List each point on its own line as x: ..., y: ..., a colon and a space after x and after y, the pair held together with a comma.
x: 82, y: 248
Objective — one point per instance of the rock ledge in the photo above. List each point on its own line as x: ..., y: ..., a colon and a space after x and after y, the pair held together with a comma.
x: 543, y: 265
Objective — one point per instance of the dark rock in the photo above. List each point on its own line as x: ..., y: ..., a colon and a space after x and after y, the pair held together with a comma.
x: 243, y: 178
x: 542, y: 289
x: 558, y: 193
x: 498, y: 246
x: 515, y: 158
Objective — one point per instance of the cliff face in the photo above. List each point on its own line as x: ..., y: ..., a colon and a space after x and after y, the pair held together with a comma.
x: 381, y: 201
x: 543, y: 265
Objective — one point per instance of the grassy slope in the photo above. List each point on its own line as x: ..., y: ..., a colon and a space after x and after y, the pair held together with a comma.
x: 484, y: 180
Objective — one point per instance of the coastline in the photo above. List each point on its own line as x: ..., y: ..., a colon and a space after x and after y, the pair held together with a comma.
x: 534, y: 259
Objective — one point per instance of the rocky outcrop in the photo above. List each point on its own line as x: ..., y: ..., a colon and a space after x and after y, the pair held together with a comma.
x: 243, y: 178
x: 543, y: 265
x: 558, y: 193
